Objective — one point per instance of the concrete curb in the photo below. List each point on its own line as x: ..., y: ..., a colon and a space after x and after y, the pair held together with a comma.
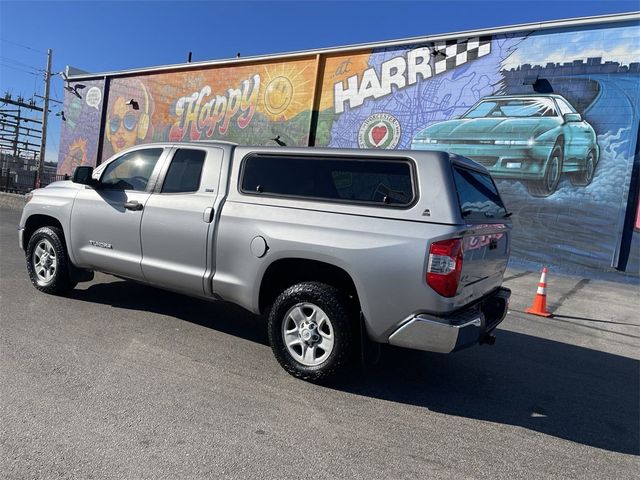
x: 14, y: 201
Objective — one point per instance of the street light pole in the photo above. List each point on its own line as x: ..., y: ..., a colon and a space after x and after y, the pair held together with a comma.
x: 45, y: 116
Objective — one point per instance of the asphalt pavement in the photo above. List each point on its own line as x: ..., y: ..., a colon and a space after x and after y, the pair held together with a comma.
x: 120, y: 380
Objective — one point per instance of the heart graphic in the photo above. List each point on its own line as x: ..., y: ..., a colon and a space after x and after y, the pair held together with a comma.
x: 379, y: 134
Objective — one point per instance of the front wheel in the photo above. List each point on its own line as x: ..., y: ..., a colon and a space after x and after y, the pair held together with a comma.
x: 47, y: 262
x: 310, y: 331
x: 552, y: 172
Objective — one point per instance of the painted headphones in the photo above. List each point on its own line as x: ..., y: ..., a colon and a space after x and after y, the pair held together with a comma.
x: 143, y: 120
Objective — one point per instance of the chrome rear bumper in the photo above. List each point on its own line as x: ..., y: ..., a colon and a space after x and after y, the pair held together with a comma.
x: 455, y: 332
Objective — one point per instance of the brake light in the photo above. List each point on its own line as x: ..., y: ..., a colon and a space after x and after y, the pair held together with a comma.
x: 444, y: 266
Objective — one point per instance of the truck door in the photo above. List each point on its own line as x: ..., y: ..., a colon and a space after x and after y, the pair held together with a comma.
x: 177, y: 226
x: 105, y: 221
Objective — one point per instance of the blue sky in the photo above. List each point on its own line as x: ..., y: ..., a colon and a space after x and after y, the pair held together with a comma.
x: 104, y: 36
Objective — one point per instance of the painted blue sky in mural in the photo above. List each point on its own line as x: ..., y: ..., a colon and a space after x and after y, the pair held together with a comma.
x: 619, y: 45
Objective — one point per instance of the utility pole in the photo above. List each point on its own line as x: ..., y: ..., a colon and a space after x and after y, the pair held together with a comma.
x: 45, y: 115
x: 15, y: 141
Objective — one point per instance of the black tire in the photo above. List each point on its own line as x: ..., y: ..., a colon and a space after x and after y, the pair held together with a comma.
x: 552, y: 173
x: 584, y: 177
x: 331, y: 303
x: 60, y: 281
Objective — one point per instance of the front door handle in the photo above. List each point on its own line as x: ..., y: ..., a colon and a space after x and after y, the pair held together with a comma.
x: 133, y: 205
x: 207, y: 216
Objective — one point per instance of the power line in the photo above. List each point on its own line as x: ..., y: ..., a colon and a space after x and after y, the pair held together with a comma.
x: 5, y: 65
x: 20, y: 64
x: 55, y: 92
x: 23, y: 46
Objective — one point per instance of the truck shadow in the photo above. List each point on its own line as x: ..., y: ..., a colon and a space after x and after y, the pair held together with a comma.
x: 566, y: 391
x: 558, y: 389
x: 216, y: 315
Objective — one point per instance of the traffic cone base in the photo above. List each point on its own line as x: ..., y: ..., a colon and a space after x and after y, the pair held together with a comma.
x: 539, y: 306
x: 535, y: 310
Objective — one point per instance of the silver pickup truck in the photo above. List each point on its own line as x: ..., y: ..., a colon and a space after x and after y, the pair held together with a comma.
x: 342, y: 250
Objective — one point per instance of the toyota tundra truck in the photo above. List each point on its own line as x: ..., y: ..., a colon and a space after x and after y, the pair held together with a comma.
x: 340, y: 250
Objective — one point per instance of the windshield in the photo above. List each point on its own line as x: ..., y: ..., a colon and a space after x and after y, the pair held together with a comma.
x: 513, y: 107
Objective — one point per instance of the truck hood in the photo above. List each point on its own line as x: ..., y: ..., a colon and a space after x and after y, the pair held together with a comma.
x: 65, y: 184
x: 489, y: 128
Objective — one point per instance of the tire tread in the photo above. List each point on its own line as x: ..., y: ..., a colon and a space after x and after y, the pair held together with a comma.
x: 62, y: 282
x: 328, y: 298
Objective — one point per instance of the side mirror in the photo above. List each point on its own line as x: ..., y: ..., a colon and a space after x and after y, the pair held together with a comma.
x: 572, y: 117
x: 82, y: 175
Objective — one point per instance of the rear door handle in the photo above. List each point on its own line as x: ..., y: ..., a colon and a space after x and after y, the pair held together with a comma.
x: 133, y: 205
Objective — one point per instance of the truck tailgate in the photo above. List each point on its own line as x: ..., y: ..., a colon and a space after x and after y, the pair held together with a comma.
x: 485, y: 255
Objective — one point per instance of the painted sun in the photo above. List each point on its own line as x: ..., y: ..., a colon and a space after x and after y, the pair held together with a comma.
x: 287, y: 89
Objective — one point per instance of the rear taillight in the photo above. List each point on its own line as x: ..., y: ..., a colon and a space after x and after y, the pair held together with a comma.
x: 444, y: 266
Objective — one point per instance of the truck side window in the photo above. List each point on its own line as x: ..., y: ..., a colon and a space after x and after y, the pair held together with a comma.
x: 478, y: 194
x: 131, y: 171
x: 184, y: 172
x: 346, y: 180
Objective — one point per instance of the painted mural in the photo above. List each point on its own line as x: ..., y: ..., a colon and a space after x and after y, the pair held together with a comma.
x: 553, y: 115
x: 250, y: 104
x: 80, y: 128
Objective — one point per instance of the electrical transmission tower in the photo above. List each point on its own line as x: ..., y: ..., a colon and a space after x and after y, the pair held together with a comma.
x: 23, y: 136
x: 20, y: 132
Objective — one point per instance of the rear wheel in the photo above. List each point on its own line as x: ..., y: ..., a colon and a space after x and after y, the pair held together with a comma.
x: 584, y: 177
x: 552, y: 172
x: 310, y: 331
x: 47, y: 261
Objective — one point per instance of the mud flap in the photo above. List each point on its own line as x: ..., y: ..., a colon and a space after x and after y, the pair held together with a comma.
x: 369, y: 350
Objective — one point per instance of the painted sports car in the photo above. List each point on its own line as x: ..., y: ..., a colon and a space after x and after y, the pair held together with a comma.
x: 531, y: 138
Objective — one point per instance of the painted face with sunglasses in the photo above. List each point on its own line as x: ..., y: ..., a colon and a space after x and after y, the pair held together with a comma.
x: 123, y: 125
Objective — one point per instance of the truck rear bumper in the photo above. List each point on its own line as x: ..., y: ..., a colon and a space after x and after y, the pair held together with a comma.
x: 457, y: 331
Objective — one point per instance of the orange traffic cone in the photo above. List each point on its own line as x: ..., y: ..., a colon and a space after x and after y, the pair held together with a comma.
x: 539, y: 306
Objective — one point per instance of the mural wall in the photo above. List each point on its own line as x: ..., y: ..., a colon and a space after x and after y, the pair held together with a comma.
x: 245, y: 104
x: 81, y: 126
x: 553, y: 115
x: 562, y: 158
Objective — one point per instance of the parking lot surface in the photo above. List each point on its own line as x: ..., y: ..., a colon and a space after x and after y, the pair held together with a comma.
x: 120, y: 380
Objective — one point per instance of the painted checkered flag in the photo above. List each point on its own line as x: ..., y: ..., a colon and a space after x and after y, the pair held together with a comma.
x: 459, y: 52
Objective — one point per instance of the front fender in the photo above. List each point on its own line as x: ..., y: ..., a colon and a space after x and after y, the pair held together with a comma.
x: 53, y: 202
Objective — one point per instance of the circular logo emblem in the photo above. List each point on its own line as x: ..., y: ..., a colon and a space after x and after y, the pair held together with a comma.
x: 379, y: 130
x: 278, y: 95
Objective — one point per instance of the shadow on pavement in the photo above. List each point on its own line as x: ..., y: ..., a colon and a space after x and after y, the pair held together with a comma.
x: 566, y: 391
x: 215, y: 315
x: 570, y: 392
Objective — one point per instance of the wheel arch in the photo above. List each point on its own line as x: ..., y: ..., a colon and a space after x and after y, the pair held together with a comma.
x: 36, y: 221
x: 285, y: 272
x: 559, y: 141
